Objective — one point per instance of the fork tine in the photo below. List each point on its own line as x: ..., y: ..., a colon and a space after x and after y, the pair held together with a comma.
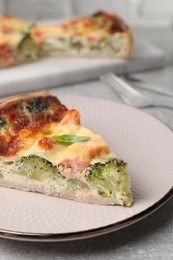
x: 120, y: 87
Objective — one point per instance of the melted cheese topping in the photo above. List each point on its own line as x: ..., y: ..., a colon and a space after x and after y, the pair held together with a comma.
x: 99, y: 25
x: 11, y: 30
x: 26, y: 118
x: 9, y: 24
x: 82, y: 151
x: 12, y: 39
x: 28, y: 122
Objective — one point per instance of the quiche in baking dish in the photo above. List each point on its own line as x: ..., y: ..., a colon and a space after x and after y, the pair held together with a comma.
x: 101, y: 35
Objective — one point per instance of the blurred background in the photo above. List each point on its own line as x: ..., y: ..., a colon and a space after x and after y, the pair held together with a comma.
x: 136, y: 12
x: 146, y: 17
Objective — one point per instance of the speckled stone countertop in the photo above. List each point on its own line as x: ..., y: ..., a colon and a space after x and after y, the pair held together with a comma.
x: 150, y: 238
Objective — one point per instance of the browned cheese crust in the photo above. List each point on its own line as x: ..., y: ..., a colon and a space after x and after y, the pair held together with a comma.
x: 25, y: 117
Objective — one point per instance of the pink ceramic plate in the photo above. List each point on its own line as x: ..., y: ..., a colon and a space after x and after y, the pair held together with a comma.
x: 141, y: 140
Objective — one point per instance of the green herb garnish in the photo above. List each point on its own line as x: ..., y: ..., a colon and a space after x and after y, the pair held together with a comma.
x: 70, y: 139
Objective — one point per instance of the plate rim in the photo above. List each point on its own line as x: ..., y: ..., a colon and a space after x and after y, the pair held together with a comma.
x: 90, y: 233
x: 62, y: 237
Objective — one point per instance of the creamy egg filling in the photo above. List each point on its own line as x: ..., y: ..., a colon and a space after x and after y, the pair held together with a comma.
x: 75, y: 46
x: 84, y: 151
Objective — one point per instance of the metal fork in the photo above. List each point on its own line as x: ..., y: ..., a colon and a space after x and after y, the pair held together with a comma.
x: 130, y: 95
x: 140, y: 83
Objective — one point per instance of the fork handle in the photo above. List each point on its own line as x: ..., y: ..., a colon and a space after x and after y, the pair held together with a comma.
x: 152, y: 88
x: 164, y: 103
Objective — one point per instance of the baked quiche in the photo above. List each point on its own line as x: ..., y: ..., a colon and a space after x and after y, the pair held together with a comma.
x: 16, y: 43
x: 44, y: 148
x: 99, y: 35
x: 102, y: 34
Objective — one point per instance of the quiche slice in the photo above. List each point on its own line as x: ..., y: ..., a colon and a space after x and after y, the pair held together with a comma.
x: 45, y: 149
x: 100, y: 35
x: 16, y: 42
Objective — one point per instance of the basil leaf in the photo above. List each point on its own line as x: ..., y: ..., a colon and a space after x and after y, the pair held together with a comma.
x: 69, y: 139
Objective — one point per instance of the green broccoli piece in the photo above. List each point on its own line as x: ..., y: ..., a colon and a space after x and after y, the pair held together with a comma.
x: 3, y: 122
x: 35, y: 106
x: 27, y: 49
x: 76, y: 44
x: 36, y: 168
x: 109, y: 178
x: 38, y: 105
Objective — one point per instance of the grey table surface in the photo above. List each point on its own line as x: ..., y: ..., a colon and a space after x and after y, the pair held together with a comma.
x: 150, y: 238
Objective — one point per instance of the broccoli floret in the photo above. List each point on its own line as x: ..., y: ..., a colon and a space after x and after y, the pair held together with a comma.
x: 3, y: 122
x: 76, y: 44
x: 36, y: 168
x: 38, y: 105
x: 109, y: 177
x: 27, y: 48
x: 35, y: 106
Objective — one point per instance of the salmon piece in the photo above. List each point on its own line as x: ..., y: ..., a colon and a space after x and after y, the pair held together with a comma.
x: 6, y: 55
x: 86, y: 154
x: 72, y: 117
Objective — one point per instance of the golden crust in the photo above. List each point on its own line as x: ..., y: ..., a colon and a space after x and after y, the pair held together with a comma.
x: 100, y: 22
x: 24, y: 117
x: 4, y: 101
x: 12, y: 22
